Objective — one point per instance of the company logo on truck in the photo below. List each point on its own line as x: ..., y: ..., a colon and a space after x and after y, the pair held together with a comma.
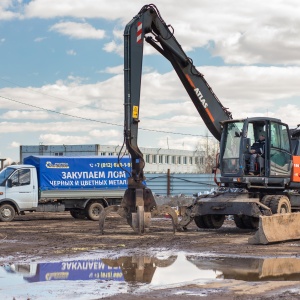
x: 57, y: 165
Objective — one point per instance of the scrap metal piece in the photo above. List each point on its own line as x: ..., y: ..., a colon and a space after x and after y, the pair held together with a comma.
x: 187, y: 214
x: 106, y: 211
x: 166, y: 209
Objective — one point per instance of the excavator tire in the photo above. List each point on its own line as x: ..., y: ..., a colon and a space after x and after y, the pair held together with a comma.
x: 266, y: 200
x: 238, y: 220
x: 250, y: 222
x: 280, y: 205
x: 199, y: 221
x: 246, y: 222
x: 214, y: 221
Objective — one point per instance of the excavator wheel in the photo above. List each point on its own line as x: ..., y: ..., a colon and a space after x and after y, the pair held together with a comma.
x: 280, y: 205
x: 246, y: 222
x: 239, y: 222
x: 250, y: 222
x: 214, y: 221
x: 199, y: 221
x: 266, y: 200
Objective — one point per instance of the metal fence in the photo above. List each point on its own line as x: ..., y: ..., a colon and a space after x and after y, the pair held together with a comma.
x: 187, y: 184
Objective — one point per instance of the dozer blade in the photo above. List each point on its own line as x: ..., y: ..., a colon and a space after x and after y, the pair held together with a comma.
x: 277, y: 228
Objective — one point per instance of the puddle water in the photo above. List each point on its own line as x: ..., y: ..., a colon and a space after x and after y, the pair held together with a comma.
x: 94, y: 278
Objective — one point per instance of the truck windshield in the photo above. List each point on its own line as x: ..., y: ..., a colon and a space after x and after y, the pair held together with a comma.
x: 4, y: 174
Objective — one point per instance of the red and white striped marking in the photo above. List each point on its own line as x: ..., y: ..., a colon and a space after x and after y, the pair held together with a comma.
x: 139, y: 32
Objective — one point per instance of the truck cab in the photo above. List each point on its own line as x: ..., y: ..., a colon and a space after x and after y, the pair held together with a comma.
x: 18, y: 190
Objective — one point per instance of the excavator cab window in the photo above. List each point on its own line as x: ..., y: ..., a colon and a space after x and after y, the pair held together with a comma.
x: 232, y: 141
x: 254, y: 131
x: 280, y: 150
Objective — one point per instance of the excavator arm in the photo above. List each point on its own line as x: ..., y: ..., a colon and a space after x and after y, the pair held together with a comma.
x: 148, y: 25
x: 138, y: 204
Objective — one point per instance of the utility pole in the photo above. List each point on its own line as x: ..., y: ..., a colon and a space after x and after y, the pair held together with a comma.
x: 2, y: 160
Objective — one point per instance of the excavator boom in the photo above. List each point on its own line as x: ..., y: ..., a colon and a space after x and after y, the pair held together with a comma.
x: 148, y: 25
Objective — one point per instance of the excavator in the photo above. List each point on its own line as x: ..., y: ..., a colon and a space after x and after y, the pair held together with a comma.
x: 267, y: 199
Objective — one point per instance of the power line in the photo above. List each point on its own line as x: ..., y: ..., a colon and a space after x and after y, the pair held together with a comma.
x: 102, y: 122
x: 79, y: 105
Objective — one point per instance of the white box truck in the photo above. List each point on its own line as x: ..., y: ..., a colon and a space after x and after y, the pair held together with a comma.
x: 82, y: 185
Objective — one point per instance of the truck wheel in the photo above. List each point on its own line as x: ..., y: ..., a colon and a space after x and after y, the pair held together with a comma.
x: 199, y: 221
x: 93, y: 211
x: 78, y: 214
x: 280, y: 205
x: 214, y: 221
x: 7, y: 213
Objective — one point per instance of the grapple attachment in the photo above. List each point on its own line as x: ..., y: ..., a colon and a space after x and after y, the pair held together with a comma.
x: 138, y: 207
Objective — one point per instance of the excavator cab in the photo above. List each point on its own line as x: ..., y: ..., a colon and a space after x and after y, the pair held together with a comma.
x: 274, y: 162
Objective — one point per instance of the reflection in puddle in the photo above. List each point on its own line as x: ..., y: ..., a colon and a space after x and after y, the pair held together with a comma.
x: 67, y: 270
x: 252, y: 269
x: 129, y: 272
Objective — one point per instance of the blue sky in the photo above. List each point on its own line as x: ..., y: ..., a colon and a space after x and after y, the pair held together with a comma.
x: 67, y: 56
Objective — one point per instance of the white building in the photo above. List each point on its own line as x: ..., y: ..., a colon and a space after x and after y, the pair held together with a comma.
x: 158, y: 160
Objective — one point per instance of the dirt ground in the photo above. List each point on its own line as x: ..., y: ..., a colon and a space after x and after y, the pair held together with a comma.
x: 48, y: 235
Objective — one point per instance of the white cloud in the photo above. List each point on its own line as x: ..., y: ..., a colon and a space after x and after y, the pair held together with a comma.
x: 15, y: 144
x: 7, y: 10
x: 81, y: 9
x: 56, y: 139
x: 25, y: 115
x: 251, y: 33
x: 78, y: 30
x: 113, y: 46
x: 165, y: 105
x: 71, y: 52
x: 39, y: 39
x: 104, y: 133
x: 8, y: 161
x: 113, y: 70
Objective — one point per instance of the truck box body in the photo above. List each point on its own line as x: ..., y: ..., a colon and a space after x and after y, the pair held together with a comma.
x: 80, y: 173
x: 82, y: 185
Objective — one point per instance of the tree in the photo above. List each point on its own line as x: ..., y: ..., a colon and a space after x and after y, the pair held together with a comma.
x: 206, y: 152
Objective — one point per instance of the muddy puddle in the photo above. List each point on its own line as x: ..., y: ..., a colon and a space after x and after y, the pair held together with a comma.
x: 95, y: 276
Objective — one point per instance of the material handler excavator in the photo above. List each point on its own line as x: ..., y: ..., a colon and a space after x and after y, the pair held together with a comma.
x: 267, y: 200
